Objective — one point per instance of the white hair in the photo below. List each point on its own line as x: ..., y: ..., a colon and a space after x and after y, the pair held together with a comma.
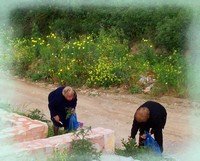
x: 68, y: 89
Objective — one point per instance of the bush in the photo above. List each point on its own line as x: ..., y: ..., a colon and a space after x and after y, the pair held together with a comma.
x: 23, y: 56
x: 99, y: 61
x: 170, y: 73
x: 109, y: 66
x: 166, y: 26
x: 130, y: 148
x: 36, y: 114
x: 53, y: 59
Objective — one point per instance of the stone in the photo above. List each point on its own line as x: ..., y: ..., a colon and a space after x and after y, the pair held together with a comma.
x: 30, y: 137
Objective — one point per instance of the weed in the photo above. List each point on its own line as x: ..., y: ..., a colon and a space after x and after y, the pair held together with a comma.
x: 130, y: 148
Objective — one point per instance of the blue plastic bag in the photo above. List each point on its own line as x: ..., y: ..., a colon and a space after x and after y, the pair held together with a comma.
x: 73, y: 123
x: 152, y: 144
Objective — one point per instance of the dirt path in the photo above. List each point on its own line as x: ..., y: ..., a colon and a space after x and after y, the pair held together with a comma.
x: 108, y: 110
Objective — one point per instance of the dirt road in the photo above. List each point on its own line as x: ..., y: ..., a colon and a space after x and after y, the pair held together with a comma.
x: 103, y: 109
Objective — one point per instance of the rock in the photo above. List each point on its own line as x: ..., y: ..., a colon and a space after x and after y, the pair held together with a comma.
x: 148, y: 89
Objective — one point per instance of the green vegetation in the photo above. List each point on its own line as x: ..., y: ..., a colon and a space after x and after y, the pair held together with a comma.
x: 102, y: 47
x: 165, y: 26
x: 130, y: 148
x: 103, y: 61
x: 36, y: 114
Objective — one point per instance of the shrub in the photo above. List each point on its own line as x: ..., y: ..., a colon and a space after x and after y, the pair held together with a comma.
x: 53, y: 59
x: 165, y: 25
x: 99, y: 61
x: 36, y: 114
x: 109, y: 68
x: 130, y: 148
x: 104, y: 73
x: 23, y: 56
x: 171, y: 73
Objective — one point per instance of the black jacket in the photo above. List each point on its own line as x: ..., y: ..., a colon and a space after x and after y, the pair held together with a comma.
x: 58, y: 104
x: 156, y: 121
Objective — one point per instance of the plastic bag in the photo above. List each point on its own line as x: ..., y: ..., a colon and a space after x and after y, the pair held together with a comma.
x: 73, y: 123
x: 152, y: 144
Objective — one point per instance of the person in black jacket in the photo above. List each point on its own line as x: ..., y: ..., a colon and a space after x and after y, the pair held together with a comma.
x: 151, y: 116
x: 63, y: 100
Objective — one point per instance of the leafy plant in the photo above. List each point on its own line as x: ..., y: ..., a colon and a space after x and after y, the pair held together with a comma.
x: 130, y: 148
x: 36, y: 114
x: 51, y: 132
x: 81, y: 148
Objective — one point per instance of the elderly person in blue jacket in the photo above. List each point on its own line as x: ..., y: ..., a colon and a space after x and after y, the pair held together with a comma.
x: 61, y: 101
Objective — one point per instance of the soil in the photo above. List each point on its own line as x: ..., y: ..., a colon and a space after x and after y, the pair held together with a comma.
x: 111, y: 109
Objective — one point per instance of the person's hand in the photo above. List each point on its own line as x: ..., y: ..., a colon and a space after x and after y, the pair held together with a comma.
x: 143, y: 136
x: 57, y: 118
x: 152, y: 131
